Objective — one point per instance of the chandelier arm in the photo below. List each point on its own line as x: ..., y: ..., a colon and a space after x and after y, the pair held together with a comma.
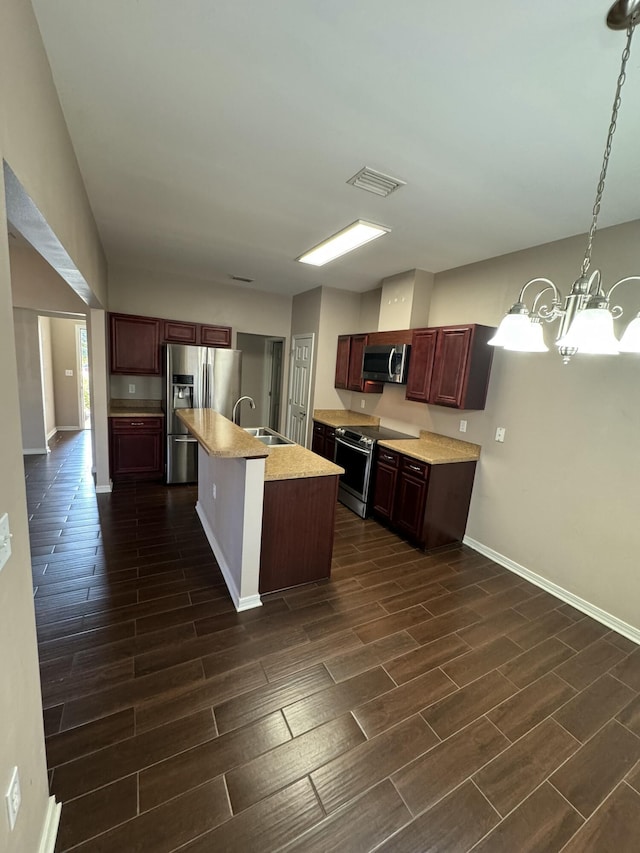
x: 586, y: 262
x: 622, y: 281
x: 543, y: 312
x: 549, y: 284
x: 597, y: 278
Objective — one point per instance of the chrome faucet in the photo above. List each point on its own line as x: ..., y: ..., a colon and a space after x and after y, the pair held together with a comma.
x: 235, y: 408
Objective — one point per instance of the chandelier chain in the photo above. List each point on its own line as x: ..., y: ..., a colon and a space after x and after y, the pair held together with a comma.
x: 607, y: 150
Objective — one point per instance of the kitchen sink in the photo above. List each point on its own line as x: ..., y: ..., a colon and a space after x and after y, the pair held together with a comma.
x: 268, y: 436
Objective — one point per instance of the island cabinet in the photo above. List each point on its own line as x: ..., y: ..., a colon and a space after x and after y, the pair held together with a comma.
x: 349, y: 365
x: 450, y: 366
x: 427, y: 504
x: 324, y: 441
x: 136, y: 448
x: 298, y: 520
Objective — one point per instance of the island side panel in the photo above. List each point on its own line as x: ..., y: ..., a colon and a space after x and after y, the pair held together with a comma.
x: 297, y: 531
x: 232, y: 520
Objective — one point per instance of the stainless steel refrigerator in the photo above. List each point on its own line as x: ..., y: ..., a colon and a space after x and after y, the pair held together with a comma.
x: 195, y: 378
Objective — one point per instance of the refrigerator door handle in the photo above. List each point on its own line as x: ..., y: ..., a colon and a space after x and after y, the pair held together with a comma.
x: 186, y: 440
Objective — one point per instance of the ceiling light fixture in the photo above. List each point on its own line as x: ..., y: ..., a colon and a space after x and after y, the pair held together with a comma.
x: 586, y: 320
x: 350, y: 238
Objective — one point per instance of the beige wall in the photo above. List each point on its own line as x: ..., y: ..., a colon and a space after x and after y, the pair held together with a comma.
x: 29, y: 375
x: 35, y: 143
x: 65, y: 357
x: 254, y: 354
x: 180, y: 298
x: 46, y: 364
x: 36, y: 285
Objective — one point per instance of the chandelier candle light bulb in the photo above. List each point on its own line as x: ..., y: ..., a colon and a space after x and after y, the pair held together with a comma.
x: 586, y: 320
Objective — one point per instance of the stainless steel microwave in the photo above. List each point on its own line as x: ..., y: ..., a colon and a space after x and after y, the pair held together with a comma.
x: 386, y: 363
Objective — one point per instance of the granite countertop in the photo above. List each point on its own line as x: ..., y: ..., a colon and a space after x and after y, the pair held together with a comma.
x: 344, y: 418
x: 135, y: 409
x: 435, y: 449
x: 220, y: 437
x: 293, y: 462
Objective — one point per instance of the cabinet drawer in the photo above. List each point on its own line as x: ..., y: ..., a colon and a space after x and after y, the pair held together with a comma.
x: 414, y: 467
x: 388, y: 457
x: 128, y: 424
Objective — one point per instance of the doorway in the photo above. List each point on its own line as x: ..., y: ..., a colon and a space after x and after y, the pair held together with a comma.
x: 262, y: 376
x: 82, y: 350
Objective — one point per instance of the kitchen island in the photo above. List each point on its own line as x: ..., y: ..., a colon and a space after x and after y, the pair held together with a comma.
x: 268, y: 512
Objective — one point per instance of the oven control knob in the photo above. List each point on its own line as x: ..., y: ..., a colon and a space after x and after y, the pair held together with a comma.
x: 368, y: 442
x: 339, y: 431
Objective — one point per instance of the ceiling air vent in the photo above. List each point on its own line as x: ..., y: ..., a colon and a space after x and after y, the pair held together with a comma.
x: 375, y: 182
x: 242, y: 278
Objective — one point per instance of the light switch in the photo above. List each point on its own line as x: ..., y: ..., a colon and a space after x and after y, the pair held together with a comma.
x: 68, y: 373
x: 5, y: 540
x: 500, y: 433
x: 463, y: 426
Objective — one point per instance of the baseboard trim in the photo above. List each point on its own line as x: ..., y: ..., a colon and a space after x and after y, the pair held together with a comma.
x: 249, y: 601
x: 35, y: 451
x: 69, y: 429
x: 50, y: 828
x: 104, y: 490
x: 560, y: 592
x: 52, y: 432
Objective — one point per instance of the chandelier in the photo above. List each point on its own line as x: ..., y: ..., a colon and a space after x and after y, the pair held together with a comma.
x: 586, y: 318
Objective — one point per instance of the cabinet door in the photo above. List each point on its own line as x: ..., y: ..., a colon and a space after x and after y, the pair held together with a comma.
x: 411, y: 498
x: 451, y: 366
x: 423, y: 350
x: 136, y: 447
x: 180, y: 333
x: 215, y: 336
x: 358, y: 343
x: 329, y: 443
x: 342, y: 361
x: 318, y: 440
x: 386, y: 478
x: 135, y: 344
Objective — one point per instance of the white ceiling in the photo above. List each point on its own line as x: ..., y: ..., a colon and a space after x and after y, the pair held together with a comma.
x: 216, y: 138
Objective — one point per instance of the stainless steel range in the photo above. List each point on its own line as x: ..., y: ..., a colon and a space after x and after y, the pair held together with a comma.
x: 355, y: 447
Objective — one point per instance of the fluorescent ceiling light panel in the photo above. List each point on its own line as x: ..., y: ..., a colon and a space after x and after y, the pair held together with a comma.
x: 350, y: 238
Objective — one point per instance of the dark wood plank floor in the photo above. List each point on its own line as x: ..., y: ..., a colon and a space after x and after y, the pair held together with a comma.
x: 413, y: 703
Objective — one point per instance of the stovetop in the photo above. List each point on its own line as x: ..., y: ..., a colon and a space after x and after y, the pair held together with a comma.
x: 376, y: 433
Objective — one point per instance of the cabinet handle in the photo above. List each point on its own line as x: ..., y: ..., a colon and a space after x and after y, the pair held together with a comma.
x: 136, y: 423
x: 388, y: 458
x: 415, y: 468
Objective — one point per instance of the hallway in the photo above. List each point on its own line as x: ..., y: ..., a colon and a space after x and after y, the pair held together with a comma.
x: 412, y: 703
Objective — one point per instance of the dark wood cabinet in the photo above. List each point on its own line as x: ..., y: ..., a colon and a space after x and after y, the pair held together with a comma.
x: 298, y: 524
x: 450, y: 366
x: 180, y: 333
x: 134, y: 344
x: 136, y: 448
x: 323, y: 441
x: 386, y: 478
x: 214, y: 336
x: 349, y: 365
x: 342, y: 361
x: 423, y: 350
x: 427, y: 504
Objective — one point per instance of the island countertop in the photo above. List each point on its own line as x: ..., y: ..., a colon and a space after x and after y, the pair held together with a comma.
x: 435, y: 449
x: 221, y: 437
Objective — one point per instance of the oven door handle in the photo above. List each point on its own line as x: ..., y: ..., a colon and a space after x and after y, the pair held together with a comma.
x: 366, y: 451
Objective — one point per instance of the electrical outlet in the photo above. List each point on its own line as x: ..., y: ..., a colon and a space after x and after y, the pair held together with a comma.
x: 500, y: 433
x: 68, y: 373
x: 132, y: 389
x: 362, y: 404
x: 213, y: 491
x: 463, y: 426
x: 14, y: 798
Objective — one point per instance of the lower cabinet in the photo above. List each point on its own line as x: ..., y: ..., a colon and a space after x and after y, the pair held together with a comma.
x: 298, y: 522
x: 136, y: 448
x: 323, y: 441
x: 427, y: 504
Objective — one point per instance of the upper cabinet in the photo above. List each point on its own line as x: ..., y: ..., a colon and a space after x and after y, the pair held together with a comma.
x: 135, y: 341
x: 135, y: 344
x: 349, y: 365
x: 450, y: 366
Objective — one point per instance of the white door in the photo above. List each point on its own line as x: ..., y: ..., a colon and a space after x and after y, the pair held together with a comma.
x: 300, y: 388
